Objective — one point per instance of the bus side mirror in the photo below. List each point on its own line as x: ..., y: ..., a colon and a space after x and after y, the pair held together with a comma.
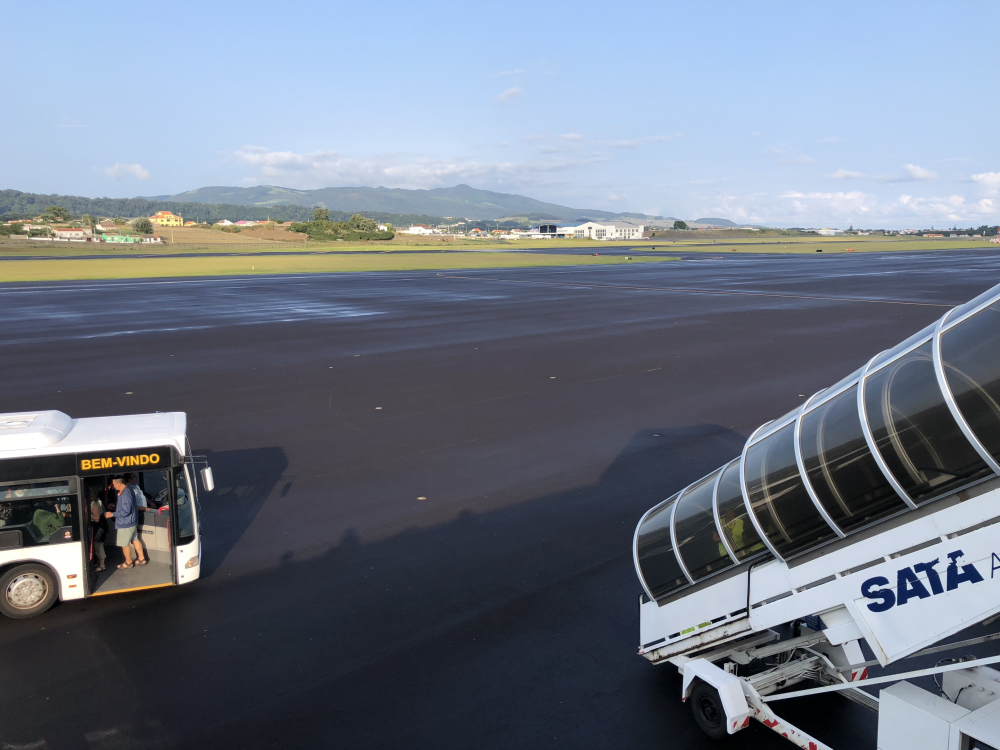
x: 207, y: 480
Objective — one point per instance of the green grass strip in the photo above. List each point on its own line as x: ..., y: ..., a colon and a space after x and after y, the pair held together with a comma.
x: 146, y: 268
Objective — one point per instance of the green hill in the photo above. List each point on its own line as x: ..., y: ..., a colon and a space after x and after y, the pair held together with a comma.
x: 715, y: 222
x: 17, y: 205
x: 458, y: 202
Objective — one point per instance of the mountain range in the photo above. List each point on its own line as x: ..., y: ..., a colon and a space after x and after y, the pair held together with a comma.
x: 461, y: 201
x: 714, y: 222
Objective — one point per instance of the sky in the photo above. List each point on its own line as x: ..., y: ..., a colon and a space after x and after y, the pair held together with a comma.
x: 787, y: 114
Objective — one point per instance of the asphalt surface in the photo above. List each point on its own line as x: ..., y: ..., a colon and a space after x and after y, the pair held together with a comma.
x: 539, y: 412
x: 609, y: 248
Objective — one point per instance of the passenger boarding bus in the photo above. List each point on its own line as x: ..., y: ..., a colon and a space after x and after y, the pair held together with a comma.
x: 56, y: 483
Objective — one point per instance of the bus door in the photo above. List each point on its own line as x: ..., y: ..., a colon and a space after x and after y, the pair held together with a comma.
x: 187, y: 552
x: 127, y: 559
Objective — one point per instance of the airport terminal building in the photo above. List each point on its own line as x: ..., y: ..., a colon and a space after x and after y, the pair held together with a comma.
x: 594, y: 230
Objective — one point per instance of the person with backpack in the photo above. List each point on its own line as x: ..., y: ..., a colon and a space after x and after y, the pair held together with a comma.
x: 126, y: 517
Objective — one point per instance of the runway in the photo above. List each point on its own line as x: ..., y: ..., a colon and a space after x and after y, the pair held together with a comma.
x: 427, y: 485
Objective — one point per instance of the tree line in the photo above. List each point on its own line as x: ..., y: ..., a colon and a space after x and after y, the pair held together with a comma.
x: 357, y: 227
x: 15, y: 205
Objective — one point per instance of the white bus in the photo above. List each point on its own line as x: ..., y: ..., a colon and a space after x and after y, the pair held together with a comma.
x: 56, y: 478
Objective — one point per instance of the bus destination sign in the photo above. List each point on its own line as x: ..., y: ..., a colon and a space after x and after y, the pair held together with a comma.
x: 115, y: 462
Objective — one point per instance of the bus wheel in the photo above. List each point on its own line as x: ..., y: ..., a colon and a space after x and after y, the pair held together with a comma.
x: 707, y: 709
x: 26, y: 591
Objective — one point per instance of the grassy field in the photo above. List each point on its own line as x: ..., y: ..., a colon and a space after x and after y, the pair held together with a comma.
x: 827, y: 244
x: 699, y: 242
x: 250, y: 235
x: 144, y: 268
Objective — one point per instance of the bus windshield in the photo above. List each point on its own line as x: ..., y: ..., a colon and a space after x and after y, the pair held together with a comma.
x: 185, y: 515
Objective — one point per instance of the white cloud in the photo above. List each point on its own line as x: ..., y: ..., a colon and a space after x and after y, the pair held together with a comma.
x: 918, y: 173
x: 120, y: 170
x: 328, y: 168
x: 841, y: 208
x: 508, y: 94
x: 858, y: 206
x: 787, y: 154
x: 989, y: 181
x: 515, y: 72
x: 68, y: 122
x: 637, y: 142
x: 911, y: 173
x: 755, y: 134
x: 533, y: 138
x: 845, y: 174
x: 742, y: 209
x: 953, y: 207
x: 568, y: 142
x: 616, y: 197
x: 838, y: 203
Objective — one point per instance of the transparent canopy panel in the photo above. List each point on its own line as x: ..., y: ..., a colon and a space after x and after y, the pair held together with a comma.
x: 971, y: 355
x: 740, y: 532
x: 840, y: 467
x: 902, y: 346
x: 921, y: 451
x: 698, y: 542
x: 914, y: 430
x: 839, y: 384
x: 973, y: 303
x: 778, y: 498
x: 655, y: 552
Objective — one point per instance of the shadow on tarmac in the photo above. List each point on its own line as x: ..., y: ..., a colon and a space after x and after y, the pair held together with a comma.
x: 244, y: 480
x: 495, y: 629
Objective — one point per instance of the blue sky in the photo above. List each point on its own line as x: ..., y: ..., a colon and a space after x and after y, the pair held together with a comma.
x: 793, y: 114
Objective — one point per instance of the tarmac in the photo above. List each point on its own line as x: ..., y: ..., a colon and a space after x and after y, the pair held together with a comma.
x: 427, y: 486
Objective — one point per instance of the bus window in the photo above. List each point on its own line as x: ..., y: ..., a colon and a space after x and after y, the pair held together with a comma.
x: 33, y: 513
x: 155, y: 486
x: 185, y: 514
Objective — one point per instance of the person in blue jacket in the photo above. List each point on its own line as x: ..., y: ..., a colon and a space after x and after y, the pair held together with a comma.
x: 126, y: 523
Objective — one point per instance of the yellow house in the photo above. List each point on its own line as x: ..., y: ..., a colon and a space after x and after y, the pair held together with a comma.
x: 166, y: 219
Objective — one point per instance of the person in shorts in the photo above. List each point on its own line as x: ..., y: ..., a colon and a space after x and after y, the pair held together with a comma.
x: 126, y: 517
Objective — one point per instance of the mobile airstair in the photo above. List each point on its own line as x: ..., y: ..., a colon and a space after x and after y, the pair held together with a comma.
x: 871, y: 514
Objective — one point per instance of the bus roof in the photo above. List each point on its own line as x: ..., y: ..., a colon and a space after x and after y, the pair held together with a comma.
x: 37, y: 433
